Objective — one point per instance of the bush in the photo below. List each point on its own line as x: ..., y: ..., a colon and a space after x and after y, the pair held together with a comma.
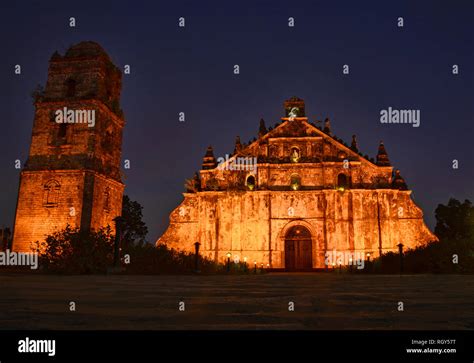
x: 73, y: 251
x: 149, y: 259
x: 436, y: 257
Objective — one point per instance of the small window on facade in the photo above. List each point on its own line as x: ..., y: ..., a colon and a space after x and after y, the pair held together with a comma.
x: 295, y: 155
x: 70, y: 87
x: 342, y: 182
x: 273, y: 150
x: 51, y: 193
x: 250, y: 182
x: 295, y: 182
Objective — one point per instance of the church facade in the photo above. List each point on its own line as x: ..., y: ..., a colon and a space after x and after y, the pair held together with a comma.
x: 72, y: 175
x: 293, y: 195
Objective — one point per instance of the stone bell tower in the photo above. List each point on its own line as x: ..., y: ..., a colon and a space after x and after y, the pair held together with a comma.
x: 72, y: 175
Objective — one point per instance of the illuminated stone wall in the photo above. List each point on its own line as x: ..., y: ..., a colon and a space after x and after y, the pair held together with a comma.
x: 372, y: 213
x: 251, y: 224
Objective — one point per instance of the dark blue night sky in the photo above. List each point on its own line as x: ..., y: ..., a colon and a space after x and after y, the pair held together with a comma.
x: 191, y: 70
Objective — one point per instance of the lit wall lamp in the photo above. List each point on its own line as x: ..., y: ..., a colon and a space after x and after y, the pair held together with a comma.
x: 229, y: 255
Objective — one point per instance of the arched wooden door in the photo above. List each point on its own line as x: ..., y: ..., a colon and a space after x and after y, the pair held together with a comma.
x: 298, y: 249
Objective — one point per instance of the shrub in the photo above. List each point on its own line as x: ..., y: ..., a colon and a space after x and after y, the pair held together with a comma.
x: 73, y: 251
x: 149, y: 259
x: 436, y: 257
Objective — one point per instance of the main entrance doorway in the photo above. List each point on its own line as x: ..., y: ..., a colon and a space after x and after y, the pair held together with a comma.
x: 298, y: 249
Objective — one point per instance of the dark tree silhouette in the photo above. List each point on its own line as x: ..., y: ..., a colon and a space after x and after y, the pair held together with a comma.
x: 134, y: 230
x: 455, y: 221
x: 77, y: 252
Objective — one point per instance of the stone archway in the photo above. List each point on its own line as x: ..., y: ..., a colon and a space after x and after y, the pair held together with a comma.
x: 298, y: 249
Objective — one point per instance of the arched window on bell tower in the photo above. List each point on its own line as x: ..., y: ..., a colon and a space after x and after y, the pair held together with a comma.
x: 70, y: 88
x: 51, y: 194
x: 62, y: 131
x: 60, y: 134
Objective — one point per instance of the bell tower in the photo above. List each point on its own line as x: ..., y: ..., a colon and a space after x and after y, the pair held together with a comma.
x: 294, y: 108
x: 72, y: 175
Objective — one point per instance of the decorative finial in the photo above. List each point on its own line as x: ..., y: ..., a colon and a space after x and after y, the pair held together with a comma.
x: 327, y: 126
x: 55, y: 55
x: 354, y: 146
x: 398, y: 182
x: 382, y: 156
x: 262, y: 130
x: 209, y: 161
x: 238, y: 145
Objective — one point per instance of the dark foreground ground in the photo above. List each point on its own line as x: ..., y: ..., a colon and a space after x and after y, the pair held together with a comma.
x: 322, y: 301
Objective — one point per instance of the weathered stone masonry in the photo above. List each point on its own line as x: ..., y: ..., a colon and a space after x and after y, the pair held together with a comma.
x: 72, y: 175
x: 306, y: 181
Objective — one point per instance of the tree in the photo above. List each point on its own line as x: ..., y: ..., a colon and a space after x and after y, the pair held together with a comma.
x: 77, y: 252
x: 134, y: 230
x: 453, y: 253
x: 193, y: 185
x: 455, y: 221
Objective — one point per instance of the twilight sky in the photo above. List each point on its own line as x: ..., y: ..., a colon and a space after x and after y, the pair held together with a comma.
x: 191, y: 70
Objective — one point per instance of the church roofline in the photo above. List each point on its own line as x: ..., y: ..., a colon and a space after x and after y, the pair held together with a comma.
x: 321, y: 133
x: 299, y: 138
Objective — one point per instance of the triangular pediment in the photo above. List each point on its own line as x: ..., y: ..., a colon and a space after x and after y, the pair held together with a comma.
x: 300, y: 127
x: 293, y: 128
x: 296, y: 128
